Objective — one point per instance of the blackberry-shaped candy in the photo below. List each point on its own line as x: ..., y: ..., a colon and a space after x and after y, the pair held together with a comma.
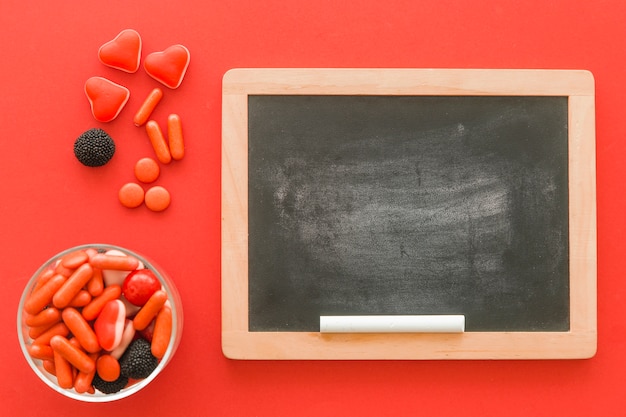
x: 109, y: 387
x: 138, y: 362
x: 94, y: 147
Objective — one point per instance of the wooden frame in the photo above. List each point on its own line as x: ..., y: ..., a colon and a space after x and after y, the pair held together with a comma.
x: 579, y: 342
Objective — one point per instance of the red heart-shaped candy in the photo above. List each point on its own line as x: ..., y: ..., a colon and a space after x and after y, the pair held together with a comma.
x: 107, y: 98
x: 123, y: 52
x: 169, y: 66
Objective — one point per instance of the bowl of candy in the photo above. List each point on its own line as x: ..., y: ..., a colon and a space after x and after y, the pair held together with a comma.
x: 99, y: 322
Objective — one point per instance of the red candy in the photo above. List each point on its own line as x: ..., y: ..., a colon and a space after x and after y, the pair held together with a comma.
x: 107, y: 99
x: 109, y: 325
x: 139, y: 286
x: 123, y: 52
x: 169, y: 66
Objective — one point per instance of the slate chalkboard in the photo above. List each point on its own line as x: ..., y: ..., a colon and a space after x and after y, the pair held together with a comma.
x: 381, y: 193
x: 408, y: 205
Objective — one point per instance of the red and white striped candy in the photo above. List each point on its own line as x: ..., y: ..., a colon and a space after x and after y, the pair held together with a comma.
x: 109, y: 326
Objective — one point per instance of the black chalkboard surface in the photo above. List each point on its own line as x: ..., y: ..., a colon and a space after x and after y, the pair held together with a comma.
x: 408, y: 205
x: 437, y: 195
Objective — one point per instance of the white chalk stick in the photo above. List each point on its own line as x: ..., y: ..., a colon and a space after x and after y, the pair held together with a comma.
x: 393, y: 324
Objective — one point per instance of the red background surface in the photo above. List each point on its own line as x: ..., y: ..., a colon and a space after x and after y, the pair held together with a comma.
x: 48, y: 201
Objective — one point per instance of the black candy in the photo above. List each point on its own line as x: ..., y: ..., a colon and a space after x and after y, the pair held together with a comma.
x: 94, y: 147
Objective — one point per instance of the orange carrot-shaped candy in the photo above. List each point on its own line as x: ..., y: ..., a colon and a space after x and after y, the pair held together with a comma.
x: 161, y: 150
x: 118, y: 263
x: 150, y: 310
x: 75, y: 259
x: 41, y: 352
x: 175, y: 136
x: 81, y: 299
x: 58, y: 329
x: 36, y: 331
x: 48, y: 365
x: 96, y: 283
x: 162, y: 332
x: 148, y: 106
x: 60, y: 269
x: 43, y: 296
x: 72, y: 286
x: 43, y: 278
x: 91, y: 310
x: 64, y: 372
x: 48, y: 316
x: 74, y: 342
x: 81, y: 330
x: 83, y: 380
x: 73, y: 355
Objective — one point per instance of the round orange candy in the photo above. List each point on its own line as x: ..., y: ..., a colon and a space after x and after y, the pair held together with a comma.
x: 147, y: 170
x: 157, y: 198
x: 108, y: 368
x: 131, y: 195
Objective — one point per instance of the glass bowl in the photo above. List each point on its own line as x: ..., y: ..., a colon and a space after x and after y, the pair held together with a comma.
x: 54, y: 266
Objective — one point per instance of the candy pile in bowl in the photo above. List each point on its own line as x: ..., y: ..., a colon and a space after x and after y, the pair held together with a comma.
x: 99, y: 322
